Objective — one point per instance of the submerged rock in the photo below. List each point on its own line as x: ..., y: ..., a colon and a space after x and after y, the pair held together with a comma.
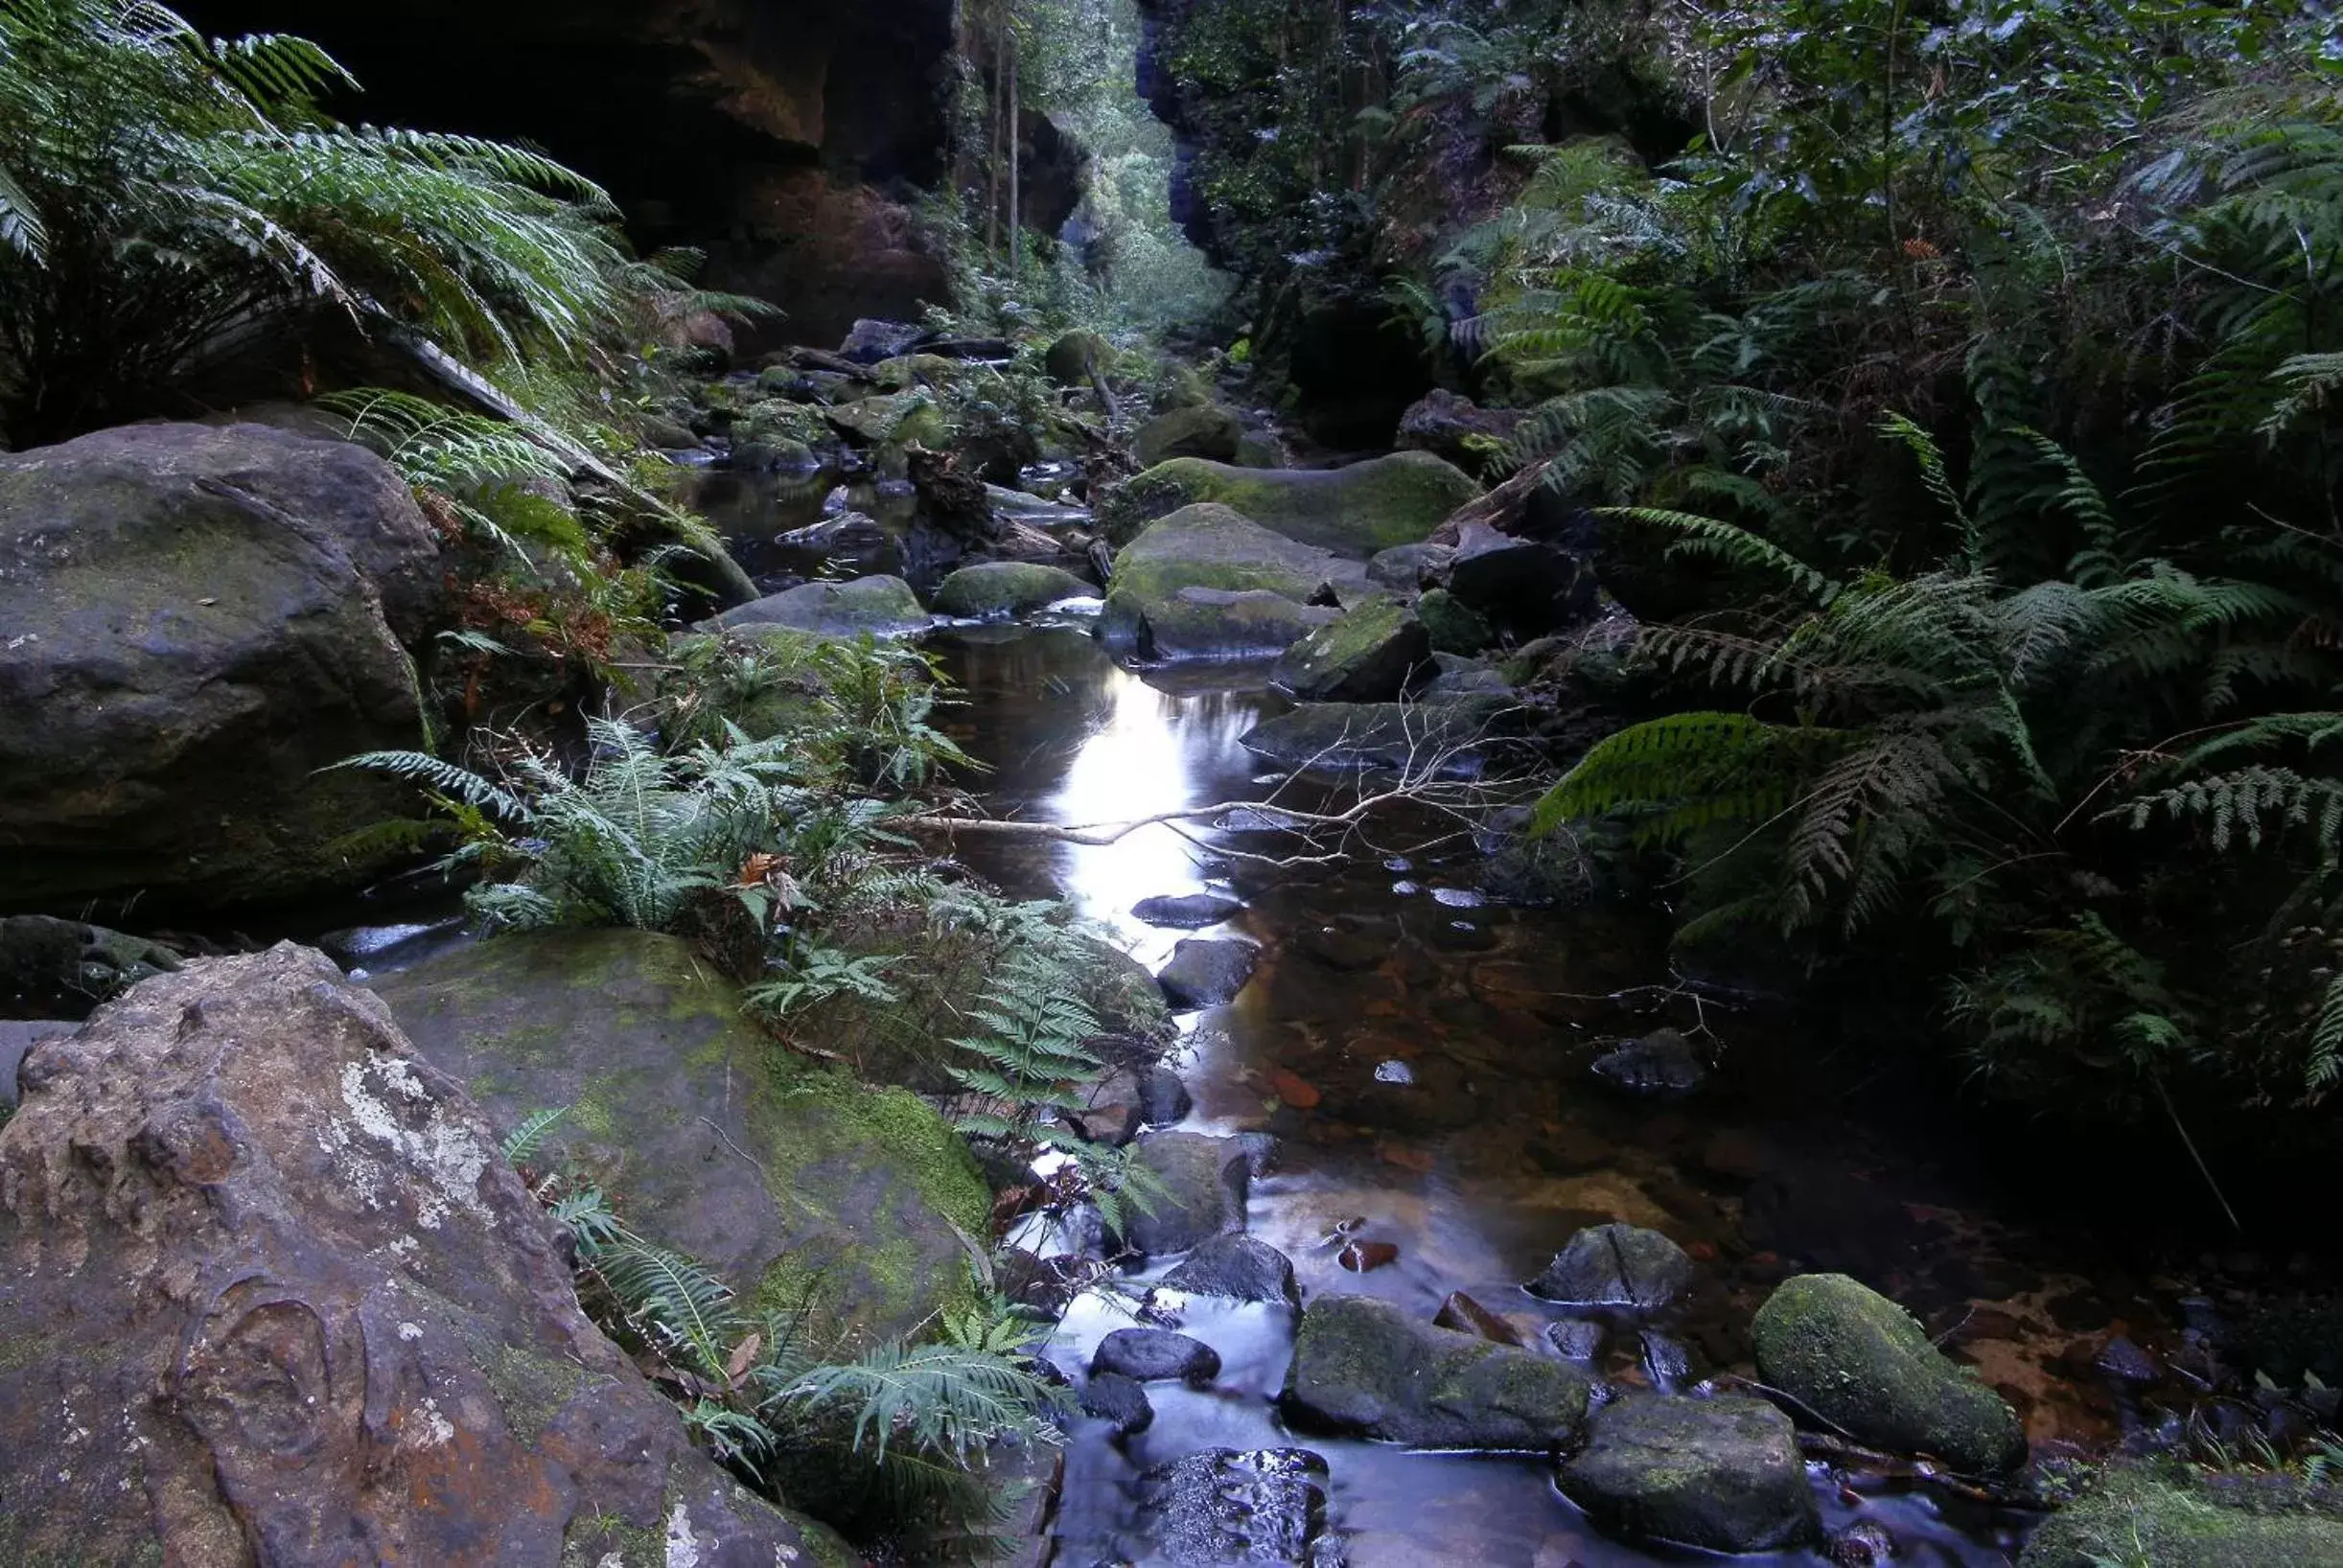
x: 1186, y: 911
x: 1206, y: 1181
x: 805, y: 1189
x: 267, y: 1286
x: 1355, y: 511
x: 884, y: 606
x: 1368, y: 656
x: 1368, y: 1367
x: 1721, y: 1474
x: 1239, y: 1268
x: 1156, y: 1355
x: 1000, y: 589
x: 1617, y: 1267
x: 195, y: 621
x: 1207, y: 973
x: 1662, y: 1064
x: 1859, y: 1362
x: 1266, y: 1508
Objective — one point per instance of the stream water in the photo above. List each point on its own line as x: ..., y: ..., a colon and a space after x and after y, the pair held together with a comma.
x: 1420, y: 1056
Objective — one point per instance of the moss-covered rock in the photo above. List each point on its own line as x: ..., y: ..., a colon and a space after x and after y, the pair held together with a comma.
x: 1453, y: 625
x: 804, y: 1187
x: 1071, y: 359
x: 1855, y: 1359
x: 1209, y: 431
x: 1355, y: 511
x: 1234, y: 568
x: 885, y: 607
x: 1367, y: 1367
x: 777, y: 421
x: 996, y: 589
x: 1723, y: 1474
x: 897, y: 420
x: 1366, y: 656
x: 1259, y: 449
x: 2137, y: 1518
x: 1203, y: 1186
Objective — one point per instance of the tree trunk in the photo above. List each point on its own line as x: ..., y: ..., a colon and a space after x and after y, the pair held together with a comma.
x: 1016, y: 148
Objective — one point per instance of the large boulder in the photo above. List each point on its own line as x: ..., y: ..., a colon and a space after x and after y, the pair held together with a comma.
x: 1005, y: 589
x: 1366, y: 656
x: 885, y: 607
x: 1207, y: 583
x: 1205, y: 1183
x: 1722, y: 1474
x: 1357, y: 511
x: 1523, y: 585
x: 194, y: 620
x: 1853, y: 1358
x: 1369, y: 1367
x: 271, y: 1296
x: 805, y: 1189
x: 1207, y: 973
x: 1240, y: 1268
x: 1210, y: 432
x: 2167, y: 1518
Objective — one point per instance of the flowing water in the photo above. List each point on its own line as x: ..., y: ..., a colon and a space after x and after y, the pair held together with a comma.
x: 1420, y: 1056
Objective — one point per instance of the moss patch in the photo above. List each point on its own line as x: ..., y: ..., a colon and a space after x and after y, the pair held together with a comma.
x: 2134, y: 1518
x: 1357, y: 511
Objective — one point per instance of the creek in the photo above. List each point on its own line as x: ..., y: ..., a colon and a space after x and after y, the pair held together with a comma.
x: 1420, y: 1054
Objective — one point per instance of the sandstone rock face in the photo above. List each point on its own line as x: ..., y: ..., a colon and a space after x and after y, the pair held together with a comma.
x: 273, y: 1296
x: 192, y: 620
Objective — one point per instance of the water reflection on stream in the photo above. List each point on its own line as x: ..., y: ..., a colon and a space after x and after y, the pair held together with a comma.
x: 1477, y: 1155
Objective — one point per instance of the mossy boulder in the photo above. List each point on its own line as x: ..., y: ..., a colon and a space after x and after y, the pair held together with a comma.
x: 1856, y: 1360
x: 777, y: 420
x: 1206, y: 582
x: 1355, y: 511
x: 1204, y: 1183
x: 2138, y: 1515
x: 1721, y: 1474
x: 885, y: 607
x: 1071, y: 359
x: 804, y: 1187
x: 1369, y: 1367
x: 1453, y: 625
x: 899, y: 419
x: 1002, y: 588
x: 909, y: 370
x: 1209, y: 431
x: 1366, y: 656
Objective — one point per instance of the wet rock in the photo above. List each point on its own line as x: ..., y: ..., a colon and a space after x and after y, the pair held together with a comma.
x: 1353, y: 736
x: 1208, y: 582
x: 1662, y: 1064
x: 1356, y: 511
x: 1575, y: 1339
x: 1458, y: 677
x: 1522, y: 586
x: 1240, y: 1268
x: 1162, y: 1099
x: 1209, y: 431
x: 1206, y: 1181
x: 195, y: 621
x: 1111, y: 1396
x: 804, y: 1188
x: 1455, y: 427
x: 871, y: 342
x: 1222, y: 1506
x: 996, y: 589
x: 1666, y: 1363
x: 1407, y: 569
x: 885, y: 607
x: 1156, y: 1355
x: 894, y: 421
x: 1855, y: 1359
x: 1368, y: 656
x: 1722, y: 1474
x: 1453, y: 625
x: 1366, y: 1257
x: 265, y: 1279
x: 1867, y: 1544
x: 1467, y: 1316
x: 1369, y: 1367
x: 1617, y: 1267
x: 1186, y: 911
x: 852, y: 535
x: 2125, y: 1365
x: 1206, y: 972
x: 65, y: 967
x: 2136, y: 1516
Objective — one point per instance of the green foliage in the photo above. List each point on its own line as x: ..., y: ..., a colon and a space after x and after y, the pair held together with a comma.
x: 162, y: 194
